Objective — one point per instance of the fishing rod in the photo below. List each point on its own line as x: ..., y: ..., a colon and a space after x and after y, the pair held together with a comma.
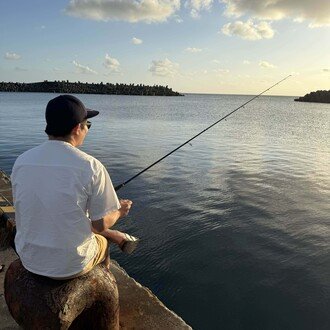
x: 195, y: 136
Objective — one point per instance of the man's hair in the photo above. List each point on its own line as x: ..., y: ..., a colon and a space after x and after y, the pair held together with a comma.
x: 62, y: 135
x: 67, y: 134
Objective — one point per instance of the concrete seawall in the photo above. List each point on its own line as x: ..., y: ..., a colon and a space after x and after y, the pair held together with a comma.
x: 139, y: 307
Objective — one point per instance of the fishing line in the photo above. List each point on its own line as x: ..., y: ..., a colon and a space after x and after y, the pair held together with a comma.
x: 200, y: 133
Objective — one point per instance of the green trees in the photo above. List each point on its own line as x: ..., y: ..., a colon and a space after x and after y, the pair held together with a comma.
x: 65, y: 86
x: 318, y: 96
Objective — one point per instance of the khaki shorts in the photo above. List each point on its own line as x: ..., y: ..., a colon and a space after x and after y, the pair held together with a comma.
x: 99, y: 257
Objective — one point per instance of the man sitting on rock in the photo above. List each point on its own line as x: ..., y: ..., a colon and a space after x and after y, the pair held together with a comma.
x: 64, y: 199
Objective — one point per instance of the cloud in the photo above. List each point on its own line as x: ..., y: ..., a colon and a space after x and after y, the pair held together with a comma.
x: 198, y: 5
x: 12, y: 56
x: 221, y: 72
x: 164, y: 68
x: 216, y: 61
x: 126, y: 10
x: 136, y: 41
x: 193, y: 50
x: 317, y: 12
x: 240, y: 76
x: 326, y: 70
x: 249, y: 30
x: 177, y: 19
x: 17, y: 68
x: 266, y: 65
x: 247, y: 62
x: 111, y: 63
x: 83, y: 68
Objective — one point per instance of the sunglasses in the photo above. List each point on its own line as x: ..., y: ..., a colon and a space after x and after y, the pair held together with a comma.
x: 88, y: 124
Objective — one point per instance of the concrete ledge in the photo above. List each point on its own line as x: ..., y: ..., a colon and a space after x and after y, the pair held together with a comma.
x: 140, y: 308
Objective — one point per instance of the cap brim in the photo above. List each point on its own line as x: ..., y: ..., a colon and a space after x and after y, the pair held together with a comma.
x: 91, y: 113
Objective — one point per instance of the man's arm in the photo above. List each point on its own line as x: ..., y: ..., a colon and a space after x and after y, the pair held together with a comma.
x: 111, y: 218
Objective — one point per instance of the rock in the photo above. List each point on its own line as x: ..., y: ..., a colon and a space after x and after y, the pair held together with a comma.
x: 87, y: 302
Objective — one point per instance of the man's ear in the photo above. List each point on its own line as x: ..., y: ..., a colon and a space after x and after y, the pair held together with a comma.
x: 76, y: 129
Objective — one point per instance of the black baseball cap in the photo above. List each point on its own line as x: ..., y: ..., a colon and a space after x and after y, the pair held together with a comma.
x: 64, y: 112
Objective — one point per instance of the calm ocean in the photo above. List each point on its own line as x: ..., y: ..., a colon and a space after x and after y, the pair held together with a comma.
x: 235, y: 227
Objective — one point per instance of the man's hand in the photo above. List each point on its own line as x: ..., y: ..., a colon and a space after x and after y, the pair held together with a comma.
x: 125, y: 204
x: 111, y: 218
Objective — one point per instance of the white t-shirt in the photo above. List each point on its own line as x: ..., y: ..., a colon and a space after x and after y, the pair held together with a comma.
x: 57, y: 191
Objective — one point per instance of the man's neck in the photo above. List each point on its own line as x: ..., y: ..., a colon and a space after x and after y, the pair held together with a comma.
x: 64, y: 139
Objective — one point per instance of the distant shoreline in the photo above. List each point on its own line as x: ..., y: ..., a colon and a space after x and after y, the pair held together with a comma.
x: 87, y: 88
x: 318, y: 97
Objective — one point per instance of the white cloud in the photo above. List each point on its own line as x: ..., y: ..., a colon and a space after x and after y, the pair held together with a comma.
x: 83, y: 68
x: 266, y: 65
x: 12, y: 56
x: 243, y: 76
x: 249, y: 30
x: 194, y: 13
x: 317, y: 12
x: 198, y: 5
x: 216, y: 61
x: 20, y: 69
x: 221, y: 71
x: 193, y: 50
x: 177, y: 19
x: 164, y: 68
x: 191, y: 74
x: 125, y: 10
x: 111, y: 63
x: 247, y: 62
x: 136, y: 41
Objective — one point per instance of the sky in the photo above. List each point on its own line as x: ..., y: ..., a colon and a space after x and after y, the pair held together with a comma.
x: 193, y: 46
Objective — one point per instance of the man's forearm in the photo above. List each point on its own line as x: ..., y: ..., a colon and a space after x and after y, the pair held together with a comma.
x: 106, y: 222
x: 111, y: 218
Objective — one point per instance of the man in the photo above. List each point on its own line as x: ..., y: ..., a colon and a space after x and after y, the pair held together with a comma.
x: 64, y: 199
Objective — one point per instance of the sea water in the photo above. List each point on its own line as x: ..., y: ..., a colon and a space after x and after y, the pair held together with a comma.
x: 235, y: 226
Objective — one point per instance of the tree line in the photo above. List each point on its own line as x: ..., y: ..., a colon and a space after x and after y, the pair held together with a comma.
x: 65, y: 86
x: 320, y: 96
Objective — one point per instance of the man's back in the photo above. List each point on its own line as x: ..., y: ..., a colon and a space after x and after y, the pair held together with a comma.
x: 53, y: 185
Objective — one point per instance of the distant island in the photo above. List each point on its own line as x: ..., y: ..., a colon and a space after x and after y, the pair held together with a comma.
x: 318, y: 96
x: 87, y: 88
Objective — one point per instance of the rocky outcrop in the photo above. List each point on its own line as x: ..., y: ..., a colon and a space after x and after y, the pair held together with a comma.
x: 318, y: 97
